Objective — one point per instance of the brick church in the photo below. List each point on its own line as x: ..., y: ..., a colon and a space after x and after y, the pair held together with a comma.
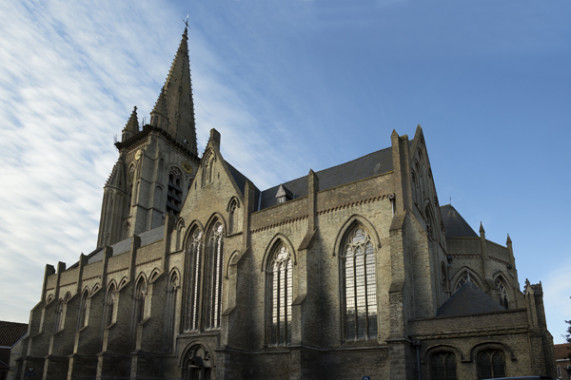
x: 348, y: 272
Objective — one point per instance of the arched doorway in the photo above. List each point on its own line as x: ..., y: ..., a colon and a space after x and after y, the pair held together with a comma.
x: 197, y: 364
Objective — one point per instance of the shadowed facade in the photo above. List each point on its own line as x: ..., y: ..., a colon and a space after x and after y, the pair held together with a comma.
x: 352, y: 271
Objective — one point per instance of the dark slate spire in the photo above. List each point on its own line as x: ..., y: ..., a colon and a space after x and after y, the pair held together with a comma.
x: 174, y: 110
x: 132, y: 126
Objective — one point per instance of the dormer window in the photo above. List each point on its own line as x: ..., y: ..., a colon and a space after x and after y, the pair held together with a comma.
x: 283, y: 195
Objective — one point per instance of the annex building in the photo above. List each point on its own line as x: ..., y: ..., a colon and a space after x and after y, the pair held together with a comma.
x: 352, y: 271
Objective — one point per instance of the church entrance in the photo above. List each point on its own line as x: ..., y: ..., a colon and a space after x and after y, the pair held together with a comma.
x: 197, y: 364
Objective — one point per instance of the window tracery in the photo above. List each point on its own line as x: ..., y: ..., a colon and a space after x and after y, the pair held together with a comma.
x: 359, y: 282
x: 502, y: 292
x: 194, y: 261
x: 213, y: 291
x: 465, y: 278
x: 280, y: 296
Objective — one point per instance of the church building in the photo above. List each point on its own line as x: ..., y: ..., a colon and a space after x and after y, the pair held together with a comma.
x: 348, y: 272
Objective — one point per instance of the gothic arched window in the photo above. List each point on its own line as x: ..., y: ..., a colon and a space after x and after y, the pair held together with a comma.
x: 174, y: 194
x: 193, y: 270
x: 140, y: 295
x: 465, y: 278
x: 59, y: 315
x: 82, y: 320
x: 233, y: 216
x: 280, y: 285
x: 170, y: 308
x: 213, y: 272
x: 491, y: 364
x: 208, y: 169
x: 502, y: 292
x: 110, y: 305
x: 359, y: 286
x: 443, y: 366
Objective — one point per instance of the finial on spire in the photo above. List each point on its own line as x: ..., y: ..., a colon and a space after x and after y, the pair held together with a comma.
x: 509, y: 240
x: 482, y: 228
x: 186, y: 22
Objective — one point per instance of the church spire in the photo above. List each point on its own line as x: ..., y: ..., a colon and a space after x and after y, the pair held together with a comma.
x: 174, y: 109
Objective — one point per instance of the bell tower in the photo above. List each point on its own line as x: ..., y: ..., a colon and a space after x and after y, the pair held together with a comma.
x: 156, y: 164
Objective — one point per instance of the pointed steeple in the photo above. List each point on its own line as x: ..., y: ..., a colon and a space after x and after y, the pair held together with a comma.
x: 174, y: 110
x: 159, y: 115
x: 132, y: 126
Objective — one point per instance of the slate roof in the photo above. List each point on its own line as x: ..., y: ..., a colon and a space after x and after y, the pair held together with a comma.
x: 370, y: 165
x: 454, y: 223
x: 469, y: 300
x: 11, y: 332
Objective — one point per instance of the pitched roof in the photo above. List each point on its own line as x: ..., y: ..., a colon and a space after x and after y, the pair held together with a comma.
x: 469, y: 300
x: 562, y: 351
x: 372, y: 164
x: 11, y: 332
x: 454, y: 223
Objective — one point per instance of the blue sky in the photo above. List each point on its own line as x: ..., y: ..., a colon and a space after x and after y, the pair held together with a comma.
x: 291, y: 85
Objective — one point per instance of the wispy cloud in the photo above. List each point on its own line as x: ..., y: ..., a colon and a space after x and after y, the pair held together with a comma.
x: 69, y: 77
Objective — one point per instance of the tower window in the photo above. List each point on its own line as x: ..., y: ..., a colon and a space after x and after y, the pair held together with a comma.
x: 174, y: 195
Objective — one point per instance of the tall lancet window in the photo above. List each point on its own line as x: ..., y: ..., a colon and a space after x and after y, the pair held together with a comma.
x: 170, y: 309
x: 110, y: 300
x: 193, y: 273
x: 359, y: 280
x: 140, y: 295
x: 280, y: 295
x: 174, y: 194
x: 213, y: 271
x: 208, y: 169
x: 59, y: 315
x: 82, y: 319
